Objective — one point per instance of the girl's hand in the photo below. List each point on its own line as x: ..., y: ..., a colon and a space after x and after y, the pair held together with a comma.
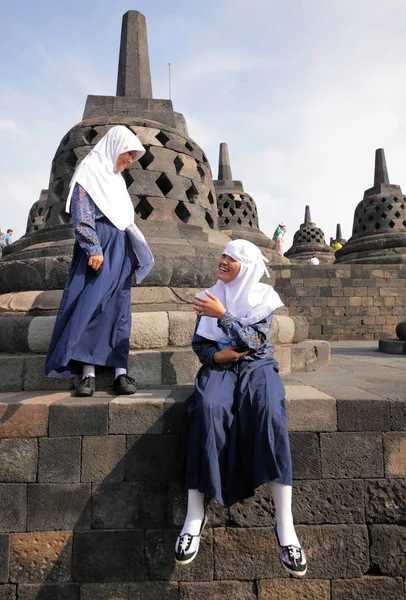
x: 228, y: 354
x: 96, y: 261
x: 208, y: 307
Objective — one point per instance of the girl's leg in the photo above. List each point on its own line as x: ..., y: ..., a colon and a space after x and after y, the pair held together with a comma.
x: 119, y: 371
x: 195, y: 513
x: 88, y: 371
x: 87, y: 386
x: 282, y: 499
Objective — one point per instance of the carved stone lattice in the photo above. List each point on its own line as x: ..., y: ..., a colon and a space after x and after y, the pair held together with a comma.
x: 309, y: 239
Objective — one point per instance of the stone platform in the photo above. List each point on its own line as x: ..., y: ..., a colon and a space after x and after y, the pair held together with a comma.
x: 91, y: 500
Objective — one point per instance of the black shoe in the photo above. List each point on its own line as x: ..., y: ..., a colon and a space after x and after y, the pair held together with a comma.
x: 187, y: 546
x: 124, y: 385
x: 87, y: 387
x: 293, y: 558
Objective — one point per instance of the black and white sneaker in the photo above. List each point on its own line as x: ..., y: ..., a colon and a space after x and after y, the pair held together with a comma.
x: 187, y: 546
x: 124, y: 385
x: 87, y: 387
x: 293, y: 558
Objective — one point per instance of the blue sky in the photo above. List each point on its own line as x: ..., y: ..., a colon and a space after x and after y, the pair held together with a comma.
x: 303, y: 91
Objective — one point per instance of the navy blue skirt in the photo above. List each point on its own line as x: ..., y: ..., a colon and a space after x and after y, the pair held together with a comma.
x: 237, y: 431
x: 93, y: 324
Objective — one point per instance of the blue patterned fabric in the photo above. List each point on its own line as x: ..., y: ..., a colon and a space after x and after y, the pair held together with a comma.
x: 84, y: 216
x: 256, y: 338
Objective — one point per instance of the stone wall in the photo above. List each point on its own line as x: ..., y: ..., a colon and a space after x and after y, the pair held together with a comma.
x: 345, y: 302
x: 91, y: 503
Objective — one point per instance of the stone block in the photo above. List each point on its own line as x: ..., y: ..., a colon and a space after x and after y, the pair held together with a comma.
x: 179, y: 366
x: 310, y: 410
x: 8, y: 592
x: 367, y: 588
x: 246, y: 554
x: 217, y: 590
x: 14, y: 334
x: 181, y: 328
x: 59, y: 460
x: 4, y: 557
x: 149, y: 330
x: 145, y: 367
x: 395, y: 453
x: 78, y: 416
x: 398, y: 415
x: 39, y: 333
x: 35, y: 378
x: 351, y: 455
x: 301, y: 329
x: 13, y: 503
x: 318, y: 354
x: 67, y: 591
x: 11, y: 373
x: 286, y: 328
x: 385, y: 501
x: 41, y: 557
x: 257, y: 511
x: 363, y: 415
x: 152, y: 458
x: 19, y: 459
x: 160, y: 560
x: 53, y: 507
x: 306, y: 457
x: 388, y: 549
x: 217, y: 515
x: 138, y: 414
x: 175, y: 410
x: 21, y: 417
x: 298, y: 358
x: 146, y: 590
x: 328, y: 501
x: 136, y: 505
x: 103, y: 458
x: 108, y: 556
x: 291, y: 589
x: 283, y: 354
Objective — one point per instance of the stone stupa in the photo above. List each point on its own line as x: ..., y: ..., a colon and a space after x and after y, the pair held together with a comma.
x: 310, y: 239
x: 339, y: 236
x: 379, y: 229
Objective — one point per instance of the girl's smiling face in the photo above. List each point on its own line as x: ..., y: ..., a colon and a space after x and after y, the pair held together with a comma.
x: 125, y: 159
x: 228, y: 268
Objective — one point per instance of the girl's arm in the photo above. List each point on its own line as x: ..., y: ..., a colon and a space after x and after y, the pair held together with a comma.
x: 246, y: 336
x: 83, y: 218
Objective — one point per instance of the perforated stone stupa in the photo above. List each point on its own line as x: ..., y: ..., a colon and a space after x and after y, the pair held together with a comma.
x: 379, y: 228
x: 237, y: 210
x: 309, y: 239
x: 339, y: 236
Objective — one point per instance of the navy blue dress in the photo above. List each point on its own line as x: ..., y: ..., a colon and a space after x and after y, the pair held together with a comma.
x: 93, y: 324
x: 237, y: 429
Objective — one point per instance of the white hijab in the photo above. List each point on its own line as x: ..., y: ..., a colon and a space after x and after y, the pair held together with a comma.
x: 98, y: 175
x: 244, y: 297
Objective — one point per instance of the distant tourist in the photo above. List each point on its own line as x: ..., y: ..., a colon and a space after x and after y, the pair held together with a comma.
x: 237, y: 428
x: 278, y: 237
x: 314, y: 260
x: 336, y: 245
x: 9, y: 237
x: 94, y: 320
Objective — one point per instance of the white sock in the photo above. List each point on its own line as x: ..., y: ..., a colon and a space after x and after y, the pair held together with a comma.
x: 119, y: 371
x: 195, y: 513
x: 282, y: 499
x: 88, y: 371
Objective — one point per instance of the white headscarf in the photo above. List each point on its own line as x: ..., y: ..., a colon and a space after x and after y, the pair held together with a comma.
x: 98, y: 175
x: 244, y: 297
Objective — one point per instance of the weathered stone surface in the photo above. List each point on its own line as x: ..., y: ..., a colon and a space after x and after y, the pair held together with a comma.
x: 254, y: 512
x: 23, y: 419
x: 4, y: 557
x: 388, y: 549
x: 179, y: 366
x: 291, y: 589
x: 306, y: 457
x: 136, y: 505
x: 283, y: 354
x: 385, y: 501
x: 145, y: 367
x: 59, y: 460
x: 35, y: 378
x: 395, y: 454
x: 146, y: 590
x: 310, y: 410
x: 363, y: 415
x: 112, y: 467
x: 398, y: 415
x: 67, y: 591
x: 152, y: 458
x: 13, y: 503
x: 18, y: 460
x: 39, y: 333
x: 104, y: 556
x: 217, y: 590
x: 286, y: 329
x: 53, y: 507
x: 367, y: 588
x: 137, y: 414
x: 8, y: 592
x: 328, y: 501
x: 149, y: 330
x: 301, y: 329
x: 11, y: 373
x: 41, y: 557
x: 79, y: 416
x: 175, y: 410
x: 160, y: 560
x: 181, y: 328
x: 347, y: 455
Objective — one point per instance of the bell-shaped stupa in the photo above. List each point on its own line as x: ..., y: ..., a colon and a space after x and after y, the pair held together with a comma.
x: 309, y: 239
